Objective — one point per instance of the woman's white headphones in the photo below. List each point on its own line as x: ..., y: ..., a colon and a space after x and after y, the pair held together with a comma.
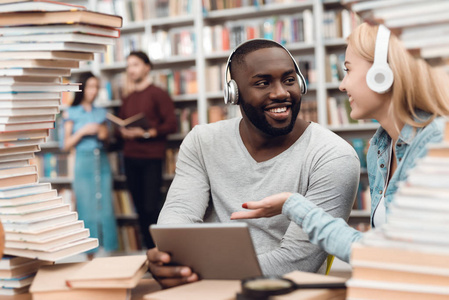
x: 231, y: 91
x: 380, y: 76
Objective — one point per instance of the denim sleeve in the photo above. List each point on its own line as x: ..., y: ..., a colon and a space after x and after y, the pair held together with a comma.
x: 333, y: 235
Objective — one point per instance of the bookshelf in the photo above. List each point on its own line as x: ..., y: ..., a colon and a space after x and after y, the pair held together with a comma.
x: 203, y: 57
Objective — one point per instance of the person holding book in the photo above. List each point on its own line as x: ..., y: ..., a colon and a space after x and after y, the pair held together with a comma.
x: 408, y: 98
x: 145, y: 145
x: 86, y: 132
x: 224, y: 164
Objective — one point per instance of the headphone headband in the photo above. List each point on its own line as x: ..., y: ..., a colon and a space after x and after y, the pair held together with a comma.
x: 230, y: 87
x: 382, y: 41
x: 380, y: 76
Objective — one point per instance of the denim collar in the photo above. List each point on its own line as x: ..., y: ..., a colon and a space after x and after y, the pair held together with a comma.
x: 407, y: 135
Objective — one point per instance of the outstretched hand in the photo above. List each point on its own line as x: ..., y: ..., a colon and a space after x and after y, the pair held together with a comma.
x: 265, y: 208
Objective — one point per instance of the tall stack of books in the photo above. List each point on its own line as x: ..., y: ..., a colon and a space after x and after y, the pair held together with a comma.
x: 40, y: 42
x: 408, y: 257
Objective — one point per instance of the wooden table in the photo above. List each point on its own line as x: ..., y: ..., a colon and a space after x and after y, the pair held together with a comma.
x: 227, y: 289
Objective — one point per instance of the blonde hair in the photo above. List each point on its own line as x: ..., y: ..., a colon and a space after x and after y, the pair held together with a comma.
x: 416, y: 84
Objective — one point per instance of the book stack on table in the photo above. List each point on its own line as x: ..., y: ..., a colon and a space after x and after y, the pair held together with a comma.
x: 40, y: 42
x: 408, y: 257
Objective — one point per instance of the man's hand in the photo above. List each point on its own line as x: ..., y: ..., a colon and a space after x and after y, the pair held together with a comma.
x: 131, y: 133
x: 168, y: 276
x: 267, y: 207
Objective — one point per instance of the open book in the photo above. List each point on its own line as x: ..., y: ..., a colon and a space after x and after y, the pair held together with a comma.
x: 138, y: 120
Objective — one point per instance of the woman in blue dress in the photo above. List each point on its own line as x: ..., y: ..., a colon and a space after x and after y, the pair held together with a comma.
x: 85, y: 130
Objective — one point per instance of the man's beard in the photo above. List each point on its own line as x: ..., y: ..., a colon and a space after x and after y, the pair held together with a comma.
x: 260, y: 121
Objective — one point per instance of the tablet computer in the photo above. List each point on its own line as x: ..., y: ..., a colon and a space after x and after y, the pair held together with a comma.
x: 212, y: 250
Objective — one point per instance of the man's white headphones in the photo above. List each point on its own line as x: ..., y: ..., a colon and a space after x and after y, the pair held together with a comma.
x: 231, y: 91
x: 380, y: 76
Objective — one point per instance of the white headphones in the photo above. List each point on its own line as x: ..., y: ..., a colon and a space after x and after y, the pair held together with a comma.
x: 380, y: 76
x: 231, y: 91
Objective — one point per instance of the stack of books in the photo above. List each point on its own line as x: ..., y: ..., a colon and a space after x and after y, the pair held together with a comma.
x: 40, y: 42
x: 110, y: 278
x: 17, y: 273
x: 408, y: 257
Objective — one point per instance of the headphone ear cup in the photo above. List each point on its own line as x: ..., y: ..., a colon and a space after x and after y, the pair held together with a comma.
x: 232, y: 92
x: 379, y: 78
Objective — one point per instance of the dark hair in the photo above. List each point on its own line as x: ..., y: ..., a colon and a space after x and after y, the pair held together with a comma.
x: 143, y: 57
x: 83, y: 78
x: 238, y: 58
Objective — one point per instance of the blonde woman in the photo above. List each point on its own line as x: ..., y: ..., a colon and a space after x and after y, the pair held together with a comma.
x: 410, y: 115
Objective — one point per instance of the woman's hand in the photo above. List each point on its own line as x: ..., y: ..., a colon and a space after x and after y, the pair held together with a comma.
x: 267, y: 207
x: 90, y: 129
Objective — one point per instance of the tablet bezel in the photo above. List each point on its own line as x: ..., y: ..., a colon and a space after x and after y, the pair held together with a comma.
x: 212, y: 250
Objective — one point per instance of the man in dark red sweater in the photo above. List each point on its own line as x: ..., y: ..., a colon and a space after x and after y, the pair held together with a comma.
x: 144, y: 148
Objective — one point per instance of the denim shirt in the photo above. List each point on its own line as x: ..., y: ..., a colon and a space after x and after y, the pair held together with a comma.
x: 80, y: 117
x: 334, y: 235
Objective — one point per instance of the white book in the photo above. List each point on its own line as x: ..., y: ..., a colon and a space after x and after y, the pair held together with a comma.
x: 13, y: 291
x: 7, y: 261
x: 28, y: 190
x: 308, y: 26
x: 29, y: 195
x: 61, y: 28
x: 395, y: 286
x: 30, y: 104
x: 27, y: 119
x: 62, y: 55
x: 34, y: 72
x: 38, y: 6
x: 40, y: 224
x: 45, y: 233
x: 39, y: 63
x: 13, y: 164
x: 42, y: 87
x: 36, y: 111
x: 17, y: 282
x: 49, y: 243
x: 418, y: 236
x: 25, y: 126
x: 19, y: 144
x: 34, y: 79
x: 31, y: 207
x: 17, y: 150
x: 54, y: 46
x: 377, y: 4
x: 57, y: 253
x: 30, y: 96
x: 23, y: 135
x: 411, y: 9
x: 64, y: 37
x: 36, y: 214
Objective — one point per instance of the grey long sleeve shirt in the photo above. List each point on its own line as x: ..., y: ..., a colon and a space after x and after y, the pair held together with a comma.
x: 215, y: 175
